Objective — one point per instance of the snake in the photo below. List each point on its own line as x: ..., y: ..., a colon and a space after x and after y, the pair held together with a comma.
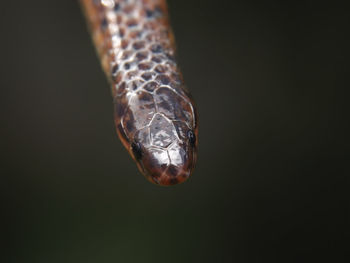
x: 154, y: 113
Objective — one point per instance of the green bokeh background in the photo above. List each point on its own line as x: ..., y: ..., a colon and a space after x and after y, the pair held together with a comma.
x: 270, y: 185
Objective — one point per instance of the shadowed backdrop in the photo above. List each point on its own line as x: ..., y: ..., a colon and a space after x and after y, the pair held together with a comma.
x: 270, y: 183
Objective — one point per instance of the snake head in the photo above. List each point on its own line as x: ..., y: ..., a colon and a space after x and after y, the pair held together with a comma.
x: 165, y: 151
x: 159, y: 130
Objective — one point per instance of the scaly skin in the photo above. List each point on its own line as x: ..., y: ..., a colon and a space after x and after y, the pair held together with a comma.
x: 155, y: 116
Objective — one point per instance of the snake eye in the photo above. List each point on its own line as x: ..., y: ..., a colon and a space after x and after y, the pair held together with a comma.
x: 137, y: 150
x: 191, y: 137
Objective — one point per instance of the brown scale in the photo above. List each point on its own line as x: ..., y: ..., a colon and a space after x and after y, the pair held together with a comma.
x: 154, y: 114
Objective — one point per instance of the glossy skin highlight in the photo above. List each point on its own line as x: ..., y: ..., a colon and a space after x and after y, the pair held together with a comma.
x: 155, y: 115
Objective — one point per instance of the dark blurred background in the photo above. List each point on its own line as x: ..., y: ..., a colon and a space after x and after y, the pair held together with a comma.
x: 269, y: 80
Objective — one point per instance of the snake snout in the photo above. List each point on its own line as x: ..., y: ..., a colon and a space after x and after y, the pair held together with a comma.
x: 168, y: 166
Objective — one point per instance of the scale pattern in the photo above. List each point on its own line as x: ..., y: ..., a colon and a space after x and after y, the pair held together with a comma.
x: 154, y: 114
